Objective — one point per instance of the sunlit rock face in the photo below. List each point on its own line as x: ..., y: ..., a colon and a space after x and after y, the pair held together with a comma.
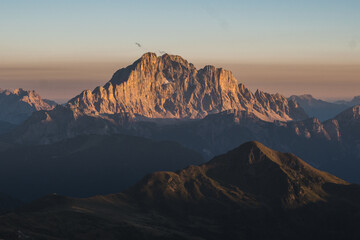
x: 163, y: 88
x: 168, y: 86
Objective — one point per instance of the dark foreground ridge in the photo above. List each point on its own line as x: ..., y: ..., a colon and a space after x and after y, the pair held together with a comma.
x: 251, y: 192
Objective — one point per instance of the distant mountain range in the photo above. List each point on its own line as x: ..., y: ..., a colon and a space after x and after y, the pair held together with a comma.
x: 251, y: 192
x: 321, y: 109
x: 167, y: 98
x: 16, y: 106
x: 353, y: 102
x: 163, y: 114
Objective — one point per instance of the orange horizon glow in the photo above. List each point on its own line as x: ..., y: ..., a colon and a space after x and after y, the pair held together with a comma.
x: 62, y: 81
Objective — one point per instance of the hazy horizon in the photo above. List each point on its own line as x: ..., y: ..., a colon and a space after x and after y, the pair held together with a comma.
x: 62, y: 48
x: 321, y: 81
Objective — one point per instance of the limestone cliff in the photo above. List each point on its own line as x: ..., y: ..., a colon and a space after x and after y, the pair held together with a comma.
x: 164, y: 88
x: 168, y: 86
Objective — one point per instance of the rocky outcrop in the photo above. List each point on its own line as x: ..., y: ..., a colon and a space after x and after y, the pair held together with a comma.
x: 170, y: 87
x: 18, y: 105
x: 351, y: 114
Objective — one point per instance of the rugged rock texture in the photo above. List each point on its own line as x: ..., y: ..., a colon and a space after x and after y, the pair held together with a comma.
x: 251, y: 192
x: 18, y: 105
x: 170, y: 87
x: 347, y: 124
x: 343, y: 129
x: 154, y: 88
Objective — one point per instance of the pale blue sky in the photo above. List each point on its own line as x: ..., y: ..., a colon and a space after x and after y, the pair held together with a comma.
x: 262, y: 31
x: 40, y: 33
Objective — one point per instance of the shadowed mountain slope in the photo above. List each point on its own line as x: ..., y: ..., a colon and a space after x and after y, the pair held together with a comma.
x: 251, y: 171
x: 6, y: 127
x: 8, y: 203
x: 332, y: 145
x: 87, y: 165
x: 251, y: 192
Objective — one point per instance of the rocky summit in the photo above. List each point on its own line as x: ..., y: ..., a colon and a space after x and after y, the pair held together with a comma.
x: 18, y: 105
x: 251, y: 171
x: 168, y: 86
x: 155, y: 88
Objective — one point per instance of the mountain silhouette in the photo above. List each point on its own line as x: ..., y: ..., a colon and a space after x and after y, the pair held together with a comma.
x: 251, y: 192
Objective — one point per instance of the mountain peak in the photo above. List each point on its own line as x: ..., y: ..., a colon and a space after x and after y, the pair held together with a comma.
x: 148, y: 55
x: 250, y: 153
x: 174, y: 58
x: 148, y: 58
x: 238, y: 199
x: 250, y: 170
x: 168, y: 86
x: 251, y: 145
x: 151, y: 58
x: 24, y: 101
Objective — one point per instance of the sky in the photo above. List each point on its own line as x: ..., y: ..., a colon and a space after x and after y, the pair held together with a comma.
x: 60, y: 48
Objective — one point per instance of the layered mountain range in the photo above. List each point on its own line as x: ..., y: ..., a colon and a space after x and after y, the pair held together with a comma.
x: 251, y: 192
x: 167, y: 98
x: 323, y: 110
x: 16, y: 106
x: 333, y: 145
x: 161, y: 113
x: 165, y: 87
x: 352, y: 102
